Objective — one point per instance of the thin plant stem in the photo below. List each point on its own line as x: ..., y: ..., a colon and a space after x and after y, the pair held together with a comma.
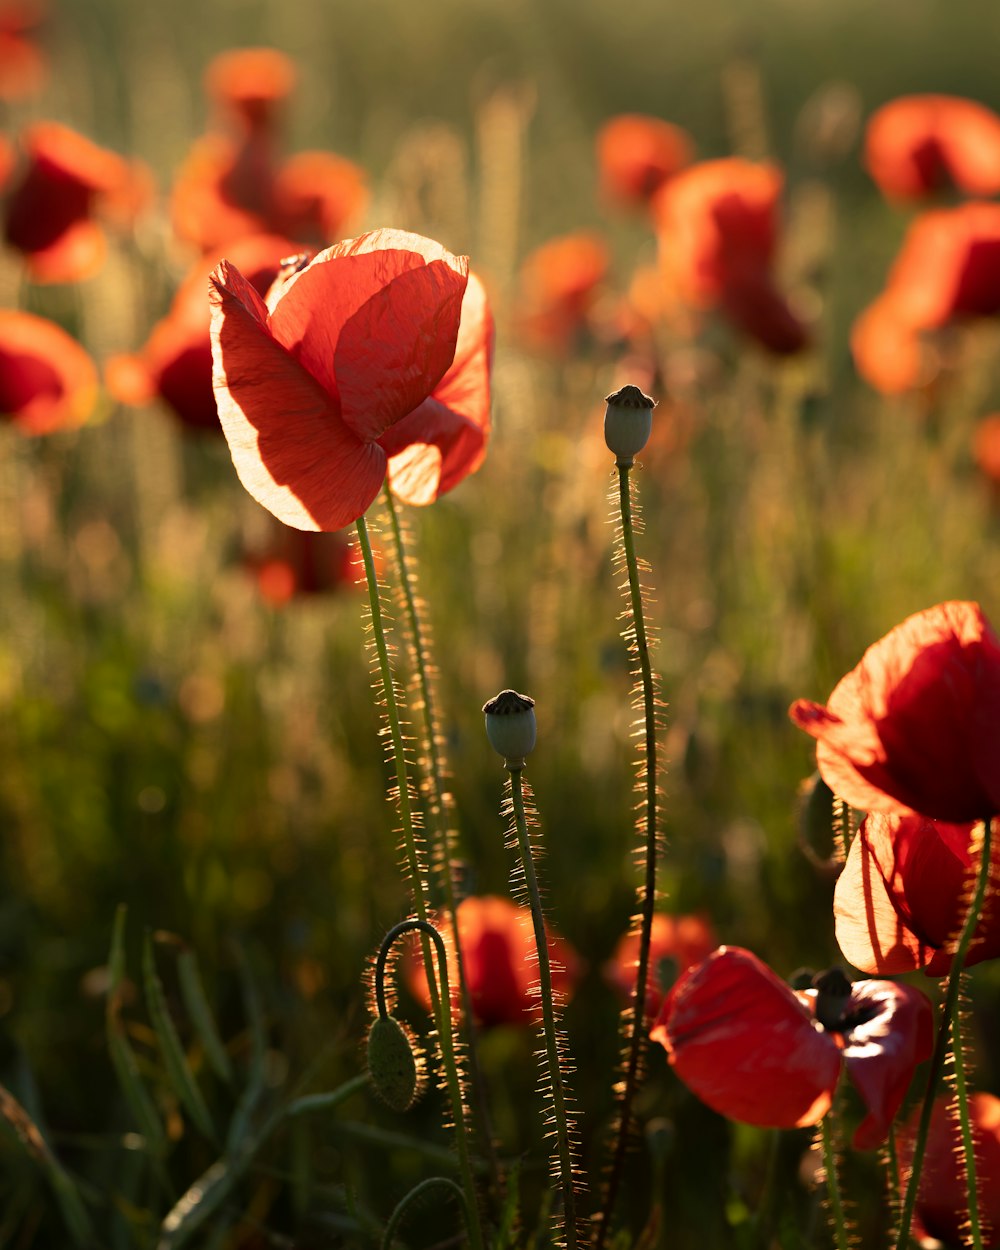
x: 833, y: 1184
x: 844, y: 827
x: 648, y: 823
x: 892, y: 1164
x: 431, y: 934
x: 440, y: 1003
x: 414, y: 1197
x: 943, y: 1034
x: 975, y: 1231
x: 559, y: 1101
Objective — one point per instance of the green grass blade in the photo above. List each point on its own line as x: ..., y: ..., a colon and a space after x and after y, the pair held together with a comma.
x: 196, y: 1002
x: 178, y: 1069
x: 240, y: 1125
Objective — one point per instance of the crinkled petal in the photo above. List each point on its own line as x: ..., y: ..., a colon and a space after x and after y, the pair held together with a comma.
x: 375, y: 320
x: 290, y: 448
x: 741, y: 1040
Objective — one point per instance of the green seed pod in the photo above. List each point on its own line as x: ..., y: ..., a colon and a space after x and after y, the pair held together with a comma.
x: 628, y: 423
x: 394, y: 1068
x: 510, y: 726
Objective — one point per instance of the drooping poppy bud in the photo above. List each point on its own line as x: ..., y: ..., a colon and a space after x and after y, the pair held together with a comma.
x: 394, y: 1068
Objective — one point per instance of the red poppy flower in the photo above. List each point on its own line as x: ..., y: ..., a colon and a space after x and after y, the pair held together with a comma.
x: 887, y: 351
x: 499, y: 959
x: 916, y: 726
x: 637, y: 154
x: 50, y: 212
x: 986, y: 447
x: 753, y: 1049
x: 302, y: 563
x: 23, y: 66
x: 918, y: 144
x: 901, y: 899
x: 47, y: 381
x: 677, y: 940
x: 942, y: 1208
x: 176, y: 361
x: 718, y: 226
x: 311, y: 386
x: 558, y: 286
x: 250, y: 85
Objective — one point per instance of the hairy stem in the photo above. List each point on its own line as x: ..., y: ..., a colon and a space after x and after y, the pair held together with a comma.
x: 975, y: 1230
x: 833, y: 1184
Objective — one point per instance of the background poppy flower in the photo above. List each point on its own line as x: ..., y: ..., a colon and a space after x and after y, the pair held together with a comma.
x: 499, y: 959
x: 308, y: 386
x: 916, y: 726
x: 250, y: 85
x: 918, y: 144
x: 986, y: 447
x: 558, y: 286
x: 50, y: 213
x: 903, y: 895
x: 679, y: 941
x: 637, y: 154
x: 23, y: 66
x: 175, y: 363
x: 47, y: 381
x: 942, y: 1208
x: 752, y: 1049
x: 302, y: 563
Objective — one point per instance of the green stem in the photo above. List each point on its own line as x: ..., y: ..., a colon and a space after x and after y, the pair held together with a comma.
x: 833, y: 1183
x: 892, y: 1163
x: 944, y: 1031
x: 844, y: 823
x: 648, y: 828
x: 440, y: 1004
x: 563, y: 1146
x: 968, y: 1145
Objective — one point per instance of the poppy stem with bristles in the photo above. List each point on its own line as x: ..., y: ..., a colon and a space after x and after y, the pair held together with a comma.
x: 440, y: 1002
x: 833, y: 1183
x: 648, y: 826
x: 943, y: 1034
x: 555, y: 1067
x: 975, y: 1231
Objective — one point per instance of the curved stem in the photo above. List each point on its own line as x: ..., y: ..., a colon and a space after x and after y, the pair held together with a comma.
x: 833, y: 1184
x: 648, y: 828
x: 563, y: 1146
x: 415, y: 1194
x: 944, y: 1031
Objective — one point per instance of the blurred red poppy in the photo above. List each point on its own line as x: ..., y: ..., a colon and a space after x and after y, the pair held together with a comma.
x: 902, y: 897
x: 499, y: 960
x: 176, y: 361
x: 23, y: 66
x: 986, y: 447
x: 942, y: 1208
x: 301, y: 563
x: 718, y: 225
x: 47, y: 381
x: 637, y: 154
x: 888, y: 352
x: 919, y: 144
x: 677, y: 941
x: 235, y: 181
x: 50, y: 213
x: 558, y: 285
x: 311, y: 386
x: 753, y: 1049
x: 915, y: 728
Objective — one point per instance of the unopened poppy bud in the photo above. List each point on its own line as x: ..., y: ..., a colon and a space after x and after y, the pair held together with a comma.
x: 628, y: 422
x: 510, y: 726
x: 394, y: 1068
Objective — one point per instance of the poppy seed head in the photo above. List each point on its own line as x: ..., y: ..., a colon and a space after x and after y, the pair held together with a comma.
x: 628, y: 423
x: 510, y: 726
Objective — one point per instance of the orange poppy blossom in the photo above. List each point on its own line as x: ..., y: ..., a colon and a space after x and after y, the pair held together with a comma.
x: 986, y: 447
x: 918, y: 144
x: 678, y: 941
x: 236, y: 182
x: 499, y: 961
x: 558, y: 285
x: 947, y: 270
x: 301, y: 563
x: 371, y: 361
x: 23, y: 66
x: 759, y: 1052
x: 50, y: 214
x: 175, y: 363
x: 718, y: 226
x: 915, y: 727
x: 47, y: 381
x: 637, y: 154
x: 942, y: 1207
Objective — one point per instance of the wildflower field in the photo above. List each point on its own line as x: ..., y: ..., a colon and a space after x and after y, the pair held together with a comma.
x: 499, y: 710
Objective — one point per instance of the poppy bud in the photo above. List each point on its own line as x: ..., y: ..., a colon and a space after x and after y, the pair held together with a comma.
x: 392, y: 1064
x: 628, y: 422
x: 510, y: 726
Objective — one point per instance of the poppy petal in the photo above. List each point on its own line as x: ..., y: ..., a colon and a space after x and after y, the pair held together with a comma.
x: 47, y: 380
x: 281, y: 426
x: 741, y: 1040
x: 375, y: 320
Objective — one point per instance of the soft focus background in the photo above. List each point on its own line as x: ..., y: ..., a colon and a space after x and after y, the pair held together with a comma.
x: 173, y: 739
